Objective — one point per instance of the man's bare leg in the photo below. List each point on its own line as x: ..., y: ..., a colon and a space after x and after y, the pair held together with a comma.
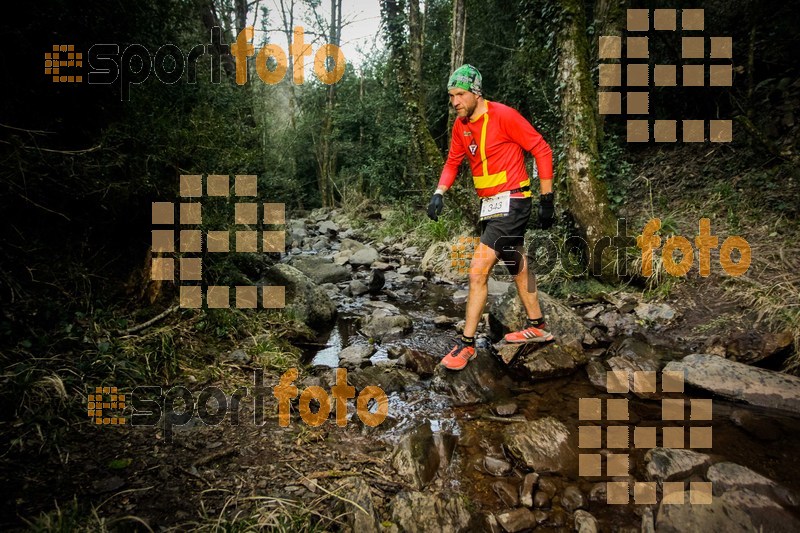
x: 482, y: 262
x: 528, y: 294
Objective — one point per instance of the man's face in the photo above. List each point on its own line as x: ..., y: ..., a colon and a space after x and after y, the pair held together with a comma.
x: 464, y: 102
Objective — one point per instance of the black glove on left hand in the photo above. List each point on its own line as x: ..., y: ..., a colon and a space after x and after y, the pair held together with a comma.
x: 546, y: 210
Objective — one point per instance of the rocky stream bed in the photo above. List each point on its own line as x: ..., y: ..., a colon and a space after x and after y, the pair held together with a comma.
x: 496, y: 447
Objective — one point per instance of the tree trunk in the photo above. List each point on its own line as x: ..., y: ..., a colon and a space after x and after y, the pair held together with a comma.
x: 587, y: 196
x: 609, y: 19
x: 424, y: 157
x: 210, y: 21
x: 327, y: 151
x: 458, y: 35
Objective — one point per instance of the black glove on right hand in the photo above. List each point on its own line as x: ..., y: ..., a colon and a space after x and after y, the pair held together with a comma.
x: 435, y: 207
x: 546, y: 210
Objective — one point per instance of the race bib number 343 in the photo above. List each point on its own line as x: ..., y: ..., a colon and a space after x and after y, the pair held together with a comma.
x: 496, y: 206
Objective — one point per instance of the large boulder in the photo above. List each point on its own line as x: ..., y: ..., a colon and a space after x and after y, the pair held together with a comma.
x: 559, y: 358
x: 543, y: 445
x: 482, y: 380
x: 730, y: 476
x: 416, y: 458
x: 320, y: 270
x: 668, y: 464
x: 356, y: 356
x: 740, y: 382
x: 719, y: 515
x: 304, y: 299
x: 382, y: 327
x: 364, y: 256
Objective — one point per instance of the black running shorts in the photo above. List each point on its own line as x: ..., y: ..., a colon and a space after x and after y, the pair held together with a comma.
x: 508, y: 231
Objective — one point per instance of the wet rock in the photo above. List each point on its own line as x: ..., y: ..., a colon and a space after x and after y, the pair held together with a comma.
x: 572, y: 499
x: 543, y: 445
x: 718, y: 516
x: 585, y: 522
x: 655, y: 312
x: 356, y: 504
x: 308, y: 302
x: 320, y: 270
x: 377, y: 304
x: 496, y: 467
x: 597, y: 375
x: 506, y: 409
x: 529, y: 483
x: 756, y: 425
x: 507, y: 314
x: 541, y: 500
x: 536, y: 361
x: 356, y: 356
x: 364, y: 256
x: 540, y: 361
x: 389, y: 378
x: 357, y: 287
x: 417, y: 512
x: 516, y: 520
x: 482, y: 380
x: 558, y: 518
x: 506, y: 492
x: 766, y: 514
x: 541, y: 516
x: 419, y: 362
x: 632, y: 355
x: 598, y: 493
x: 382, y: 327
x: 668, y: 464
x: 444, y: 322
x: 415, y: 458
x: 740, y: 382
x: 548, y: 486
x: 729, y: 476
x: 751, y: 346
x: 376, y: 281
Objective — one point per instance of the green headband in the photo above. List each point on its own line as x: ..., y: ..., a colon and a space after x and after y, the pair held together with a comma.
x: 466, y: 77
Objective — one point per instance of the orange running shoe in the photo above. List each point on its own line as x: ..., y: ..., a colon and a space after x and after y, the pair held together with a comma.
x: 459, y: 356
x: 529, y: 334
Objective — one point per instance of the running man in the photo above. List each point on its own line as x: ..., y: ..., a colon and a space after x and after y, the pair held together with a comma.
x: 493, y: 137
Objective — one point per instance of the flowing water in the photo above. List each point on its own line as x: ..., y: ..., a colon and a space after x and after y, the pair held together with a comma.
x: 775, y: 455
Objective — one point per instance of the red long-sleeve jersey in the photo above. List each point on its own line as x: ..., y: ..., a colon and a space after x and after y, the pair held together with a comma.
x: 493, y: 144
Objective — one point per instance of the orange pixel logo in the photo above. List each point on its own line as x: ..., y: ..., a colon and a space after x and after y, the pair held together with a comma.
x: 247, y: 237
x: 639, y: 75
x: 54, y: 62
x: 618, y: 438
x: 102, y: 399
